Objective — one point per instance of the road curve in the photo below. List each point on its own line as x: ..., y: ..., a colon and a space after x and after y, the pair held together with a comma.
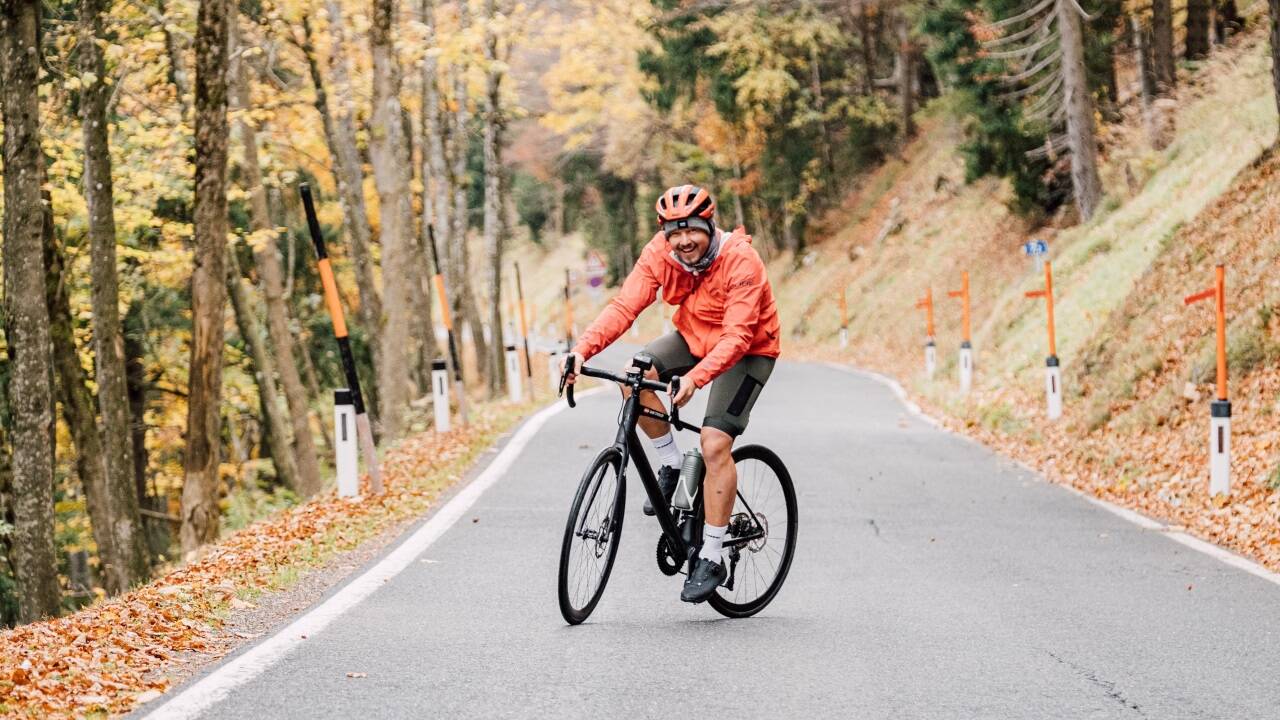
x: 933, y: 579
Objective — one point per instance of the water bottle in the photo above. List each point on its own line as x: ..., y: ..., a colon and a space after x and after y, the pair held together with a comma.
x: 691, y: 471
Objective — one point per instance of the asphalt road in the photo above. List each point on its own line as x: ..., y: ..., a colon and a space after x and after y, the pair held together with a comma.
x: 932, y: 580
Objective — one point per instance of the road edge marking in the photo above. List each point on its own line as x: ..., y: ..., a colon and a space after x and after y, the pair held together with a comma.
x: 211, y: 689
x: 1217, y: 552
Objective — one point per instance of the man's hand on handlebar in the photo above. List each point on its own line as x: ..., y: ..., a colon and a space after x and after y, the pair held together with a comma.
x: 577, y: 367
x: 682, y: 391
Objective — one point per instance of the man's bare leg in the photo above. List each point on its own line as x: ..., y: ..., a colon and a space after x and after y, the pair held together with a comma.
x: 720, y: 487
x: 652, y: 427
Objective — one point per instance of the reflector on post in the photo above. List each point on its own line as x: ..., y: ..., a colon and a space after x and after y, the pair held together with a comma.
x: 966, y: 347
x: 344, y: 443
x: 513, y: 375
x: 440, y: 393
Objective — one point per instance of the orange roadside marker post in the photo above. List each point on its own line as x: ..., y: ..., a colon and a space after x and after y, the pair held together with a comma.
x: 1220, y: 409
x: 1053, y: 373
x: 966, y: 347
x: 524, y: 330
x: 844, y: 320
x: 363, y: 431
x: 439, y: 389
x: 930, y: 348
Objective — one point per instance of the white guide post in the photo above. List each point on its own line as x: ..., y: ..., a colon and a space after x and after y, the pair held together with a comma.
x: 514, y: 375
x: 440, y: 394
x: 1053, y: 387
x: 844, y: 338
x: 344, y: 443
x: 930, y: 359
x: 966, y: 366
x: 1220, y: 448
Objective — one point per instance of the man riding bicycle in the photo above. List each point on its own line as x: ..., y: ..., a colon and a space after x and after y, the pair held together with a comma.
x: 726, y: 331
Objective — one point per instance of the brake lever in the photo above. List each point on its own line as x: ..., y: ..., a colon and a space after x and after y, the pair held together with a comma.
x: 675, y: 409
x: 566, y: 389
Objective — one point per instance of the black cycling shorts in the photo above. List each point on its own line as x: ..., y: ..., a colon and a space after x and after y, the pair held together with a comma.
x: 733, y: 393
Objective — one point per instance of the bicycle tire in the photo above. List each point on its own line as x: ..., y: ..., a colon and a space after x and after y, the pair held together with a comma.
x: 574, y: 607
x: 767, y: 457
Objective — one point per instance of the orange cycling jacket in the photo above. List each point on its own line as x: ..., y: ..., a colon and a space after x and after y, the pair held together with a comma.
x: 725, y: 312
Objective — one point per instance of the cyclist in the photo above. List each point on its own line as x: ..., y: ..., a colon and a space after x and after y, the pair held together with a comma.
x: 726, y: 331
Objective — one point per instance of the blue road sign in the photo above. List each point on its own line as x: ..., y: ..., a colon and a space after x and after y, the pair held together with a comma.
x: 1036, y: 247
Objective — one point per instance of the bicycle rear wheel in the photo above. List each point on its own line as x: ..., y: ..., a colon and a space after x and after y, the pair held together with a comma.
x: 765, y: 511
x: 591, y: 537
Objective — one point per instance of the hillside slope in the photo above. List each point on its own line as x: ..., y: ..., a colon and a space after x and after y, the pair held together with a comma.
x: 1127, y: 345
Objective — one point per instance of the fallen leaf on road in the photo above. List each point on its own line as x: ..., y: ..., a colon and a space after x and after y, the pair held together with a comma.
x: 357, y: 675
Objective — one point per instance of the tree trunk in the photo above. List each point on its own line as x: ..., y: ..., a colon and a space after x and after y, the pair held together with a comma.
x: 340, y: 132
x: 271, y: 275
x: 1146, y: 74
x: 820, y: 104
x: 435, y: 181
x: 493, y: 240
x: 175, y: 48
x: 1274, y: 8
x: 137, y: 386
x: 460, y: 254
x: 1197, y: 40
x: 264, y: 371
x: 433, y: 140
x: 1162, y: 45
x: 1080, y: 131
x: 391, y: 175
x: 313, y: 384
x: 208, y: 281
x: 130, y: 564
x: 423, y: 329
x: 119, y: 541
x: 868, y: 42
x: 1227, y: 21
x: 906, y: 77
x: 27, y: 316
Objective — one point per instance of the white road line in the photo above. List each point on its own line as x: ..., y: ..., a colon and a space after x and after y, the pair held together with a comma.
x: 211, y: 689
x: 1214, y: 551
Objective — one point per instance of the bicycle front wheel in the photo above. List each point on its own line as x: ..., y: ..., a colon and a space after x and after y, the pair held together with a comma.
x: 764, y: 516
x: 591, y: 537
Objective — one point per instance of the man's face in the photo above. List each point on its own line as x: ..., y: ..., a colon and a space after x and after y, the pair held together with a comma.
x: 690, y: 244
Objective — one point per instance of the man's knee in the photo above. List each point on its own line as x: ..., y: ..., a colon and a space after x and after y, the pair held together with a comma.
x: 716, y: 444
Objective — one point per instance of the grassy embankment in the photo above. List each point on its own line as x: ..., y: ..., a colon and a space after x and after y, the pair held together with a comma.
x: 1128, y: 346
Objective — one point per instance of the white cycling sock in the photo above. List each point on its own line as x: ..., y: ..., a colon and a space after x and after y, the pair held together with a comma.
x: 713, y: 542
x: 668, y: 451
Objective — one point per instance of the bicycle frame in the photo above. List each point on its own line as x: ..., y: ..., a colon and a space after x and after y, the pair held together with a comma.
x: 627, y: 444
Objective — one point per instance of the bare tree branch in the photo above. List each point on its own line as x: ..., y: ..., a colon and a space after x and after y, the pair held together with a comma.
x: 1031, y: 72
x: 1025, y: 15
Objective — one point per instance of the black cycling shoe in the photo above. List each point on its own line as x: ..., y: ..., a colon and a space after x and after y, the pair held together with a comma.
x: 667, y: 479
x: 707, y: 575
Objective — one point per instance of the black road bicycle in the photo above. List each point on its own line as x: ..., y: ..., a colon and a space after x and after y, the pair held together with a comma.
x: 759, y: 543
